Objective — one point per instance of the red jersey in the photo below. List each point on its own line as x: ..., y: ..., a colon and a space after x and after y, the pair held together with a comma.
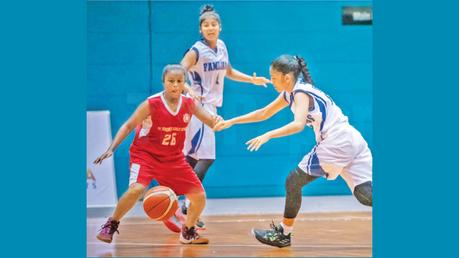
x: 165, y: 139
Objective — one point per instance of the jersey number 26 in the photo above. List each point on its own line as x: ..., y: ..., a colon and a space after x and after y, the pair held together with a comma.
x: 169, y: 139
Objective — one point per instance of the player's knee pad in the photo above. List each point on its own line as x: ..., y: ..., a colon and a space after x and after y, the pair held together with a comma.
x: 297, y: 179
x: 364, y: 193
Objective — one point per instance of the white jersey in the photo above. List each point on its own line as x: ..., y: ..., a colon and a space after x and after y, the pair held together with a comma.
x: 324, y: 116
x: 208, y: 74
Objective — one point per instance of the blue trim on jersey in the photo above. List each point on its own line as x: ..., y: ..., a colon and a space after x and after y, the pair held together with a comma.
x: 309, y: 160
x: 202, y: 137
x: 316, y: 169
x: 322, y: 105
x: 197, y: 80
x: 197, y: 53
x: 194, y: 142
x: 315, y: 95
x: 323, y: 110
x: 285, y: 96
x: 215, y: 51
x: 291, y: 101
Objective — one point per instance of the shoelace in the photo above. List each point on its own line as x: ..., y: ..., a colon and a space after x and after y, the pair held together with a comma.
x: 277, y: 229
x: 112, y: 225
x: 193, y: 233
x: 274, y: 227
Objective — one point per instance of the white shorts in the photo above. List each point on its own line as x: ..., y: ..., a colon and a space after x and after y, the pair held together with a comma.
x: 342, y: 153
x: 200, y: 139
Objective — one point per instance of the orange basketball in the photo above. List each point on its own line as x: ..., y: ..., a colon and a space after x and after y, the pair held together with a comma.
x: 160, y: 203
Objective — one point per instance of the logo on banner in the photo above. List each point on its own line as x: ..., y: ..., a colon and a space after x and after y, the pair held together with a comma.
x: 90, y: 179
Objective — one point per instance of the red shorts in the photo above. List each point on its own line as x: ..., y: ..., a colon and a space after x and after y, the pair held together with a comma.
x: 177, y: 175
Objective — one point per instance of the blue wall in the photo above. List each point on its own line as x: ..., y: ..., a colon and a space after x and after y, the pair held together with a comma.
x: 130, y: 42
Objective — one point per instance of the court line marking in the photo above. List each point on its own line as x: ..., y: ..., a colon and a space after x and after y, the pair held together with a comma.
x: 220, y: 245
x: 256, y: 220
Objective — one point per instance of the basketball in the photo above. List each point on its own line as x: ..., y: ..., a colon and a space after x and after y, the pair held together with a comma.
x: 160, y: 203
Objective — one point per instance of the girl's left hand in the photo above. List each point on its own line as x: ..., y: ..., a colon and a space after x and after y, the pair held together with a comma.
x: 261, y: 81
x: 256, y: 142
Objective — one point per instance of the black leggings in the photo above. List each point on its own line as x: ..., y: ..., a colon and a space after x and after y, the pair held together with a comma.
x: 200, y: 167
x: 298, y: 178
x: 293, y: 185
x: 364, y: 193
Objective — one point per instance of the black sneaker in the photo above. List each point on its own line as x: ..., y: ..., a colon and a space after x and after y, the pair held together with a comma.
x: 274, y: 236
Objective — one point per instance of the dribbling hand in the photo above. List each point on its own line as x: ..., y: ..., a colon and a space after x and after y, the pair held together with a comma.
x: 105, y: 155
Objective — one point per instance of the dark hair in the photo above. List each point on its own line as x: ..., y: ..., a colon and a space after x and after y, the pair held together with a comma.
x: 296, y: 64
x: 208, y: 11
x: 173, y: 67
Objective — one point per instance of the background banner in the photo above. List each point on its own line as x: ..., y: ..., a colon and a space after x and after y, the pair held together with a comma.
x: 100, y: 179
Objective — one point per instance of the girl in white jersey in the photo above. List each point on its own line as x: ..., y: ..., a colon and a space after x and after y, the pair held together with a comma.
x: 340, y: 148
x: 208, y: 64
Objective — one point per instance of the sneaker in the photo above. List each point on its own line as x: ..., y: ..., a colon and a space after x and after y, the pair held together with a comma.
x: 107, y: 230
x: 274, y: 236
x: 190, y: 236
x: 175, y: 222
x: 200, y: 225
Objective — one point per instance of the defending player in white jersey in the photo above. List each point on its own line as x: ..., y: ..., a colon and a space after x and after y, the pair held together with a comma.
x: 208, y: 64
x: 340, y: 148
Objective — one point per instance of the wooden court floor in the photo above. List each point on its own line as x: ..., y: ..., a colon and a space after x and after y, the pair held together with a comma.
x: 315, y: 235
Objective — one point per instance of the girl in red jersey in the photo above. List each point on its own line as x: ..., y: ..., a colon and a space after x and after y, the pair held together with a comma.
x: 156, y: 153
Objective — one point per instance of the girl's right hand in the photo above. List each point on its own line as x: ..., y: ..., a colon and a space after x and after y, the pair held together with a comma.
x: 222, y: 125
x: 105, y: 155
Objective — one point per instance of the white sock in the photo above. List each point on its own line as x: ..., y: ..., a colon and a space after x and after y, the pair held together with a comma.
x: 287, y: 229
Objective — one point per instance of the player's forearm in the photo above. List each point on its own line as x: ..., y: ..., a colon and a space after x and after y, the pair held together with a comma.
x: 252, y: 117
x: 288, y: 129
x: 209, y: 121
x: 235, y: 75
x: 122, y: 133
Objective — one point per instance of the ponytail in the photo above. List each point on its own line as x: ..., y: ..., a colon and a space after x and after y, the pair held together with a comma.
x: 304, y: 69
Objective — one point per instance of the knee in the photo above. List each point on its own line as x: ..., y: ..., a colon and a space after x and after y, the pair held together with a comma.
x: 197, y: 197
x: 297, y: 179
x: 136, y: 190
x: 291, y: 180
x: 364, y: 193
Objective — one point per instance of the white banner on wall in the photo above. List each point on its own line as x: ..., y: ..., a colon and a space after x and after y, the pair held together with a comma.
x: 100, y: 179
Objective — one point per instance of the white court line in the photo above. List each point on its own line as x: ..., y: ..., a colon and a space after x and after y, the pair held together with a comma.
x: 258, y: 220
x: 212, y: 245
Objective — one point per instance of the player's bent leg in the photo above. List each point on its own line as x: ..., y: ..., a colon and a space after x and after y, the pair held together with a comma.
x: 126, y: 202
x: 295, y: 182
x: 201, y: 168
x: 189, y: 234
x: 364, y: 193
x: 192, y: 161
x: 280, y: 235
